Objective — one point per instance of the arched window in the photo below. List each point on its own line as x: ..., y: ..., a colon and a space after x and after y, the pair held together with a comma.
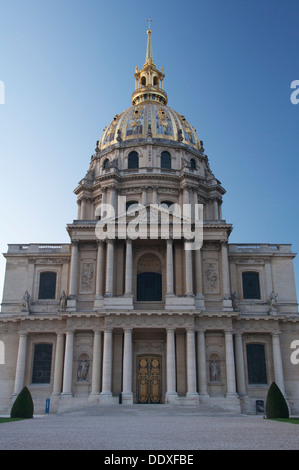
x: 155, y: 81
x: 165, y: 160
x: 106, y: 164
x: 251, y: 285
x: 42, y: 359
x: 47, y: 285
x: 167, y: 205
x: 149, y: 287
x: 133, y: 160
x: 131, y: 204
x: 256, y: 363
x: 192, y: 164
x: 143, y: 81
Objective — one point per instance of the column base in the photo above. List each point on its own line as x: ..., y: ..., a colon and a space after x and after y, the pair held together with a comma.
x: 118, y: 303
x: 179, y: 303
x: 227, y: 305
x: 106, y: 398
x: 71, y: 303
x: 200, y: 302
x: 192, y: 398
x: 98, y: 302
x: 127, y: 398
x: 171, y: 397
x: 232, y: 395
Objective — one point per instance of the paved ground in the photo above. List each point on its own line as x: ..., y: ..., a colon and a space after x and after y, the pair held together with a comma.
x: 147, y: 427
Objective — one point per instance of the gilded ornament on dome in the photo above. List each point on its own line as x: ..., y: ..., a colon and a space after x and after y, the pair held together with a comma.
x: 113, y: 124
x: 135, y: 117
x: 163, y: 118
x: 186, y: 125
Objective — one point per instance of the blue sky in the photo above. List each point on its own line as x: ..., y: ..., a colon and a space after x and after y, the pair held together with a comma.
x: 68, y: 65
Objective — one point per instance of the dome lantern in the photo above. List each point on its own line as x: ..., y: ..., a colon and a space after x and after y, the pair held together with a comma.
x: 149, y: 80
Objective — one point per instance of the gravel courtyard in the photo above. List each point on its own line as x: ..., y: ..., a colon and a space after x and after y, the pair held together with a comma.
x: 147, y: 427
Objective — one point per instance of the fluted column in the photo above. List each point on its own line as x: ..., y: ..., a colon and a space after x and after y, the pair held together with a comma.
x: 129, y: 268
x: 230, y: 365
x: 241, y: 385
x: 144, y: 195
x: 107, y: 366
x: 188, y: 271
x: 127, y: 395
x: 226, y: 302
x: 96, y: 363
x: 202, y: 366
x: 199, y: 281
x: 83, y: 208
x: 21, y: 364
x: 215, y: 209
x: 100, y: 270
x: 68, y: 364
x: 169, y: 267
x: 74, y: 268
x: 277, y: 362
x: 191, y: 365
x: 58, y: 367
x: 109, y: 268
x: 155, y: 195
x: 171, y: 392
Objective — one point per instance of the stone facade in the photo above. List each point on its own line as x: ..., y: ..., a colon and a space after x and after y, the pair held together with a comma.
x: 143, y: 319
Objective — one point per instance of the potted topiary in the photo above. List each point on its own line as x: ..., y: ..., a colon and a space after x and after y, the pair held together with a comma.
x: 23, y: 405
x: 276, y: 405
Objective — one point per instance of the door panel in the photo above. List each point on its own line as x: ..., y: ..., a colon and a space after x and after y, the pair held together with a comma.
x: 149, y: 379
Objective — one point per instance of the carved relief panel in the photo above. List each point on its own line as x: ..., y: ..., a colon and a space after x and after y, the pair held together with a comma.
x: 211, y: 277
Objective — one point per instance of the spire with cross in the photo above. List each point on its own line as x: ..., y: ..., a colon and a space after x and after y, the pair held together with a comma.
x: 149, y: 51
x: 149, y: 22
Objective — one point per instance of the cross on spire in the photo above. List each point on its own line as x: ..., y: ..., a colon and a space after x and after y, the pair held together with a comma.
x: 149, y: 22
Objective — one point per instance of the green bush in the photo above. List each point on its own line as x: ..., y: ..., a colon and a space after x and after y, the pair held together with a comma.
x: 276, y: 406
x: 23, y: 405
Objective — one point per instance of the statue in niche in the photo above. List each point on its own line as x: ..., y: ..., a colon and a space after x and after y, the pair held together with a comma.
x: 26, y: 302
x: 214, y: 371
x: 62, y: 300
x: 83, y: 370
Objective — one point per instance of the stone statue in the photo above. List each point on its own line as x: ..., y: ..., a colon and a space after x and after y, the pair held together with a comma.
x: 214, y: 371
x: 273, y: 301
x: 26, y: 302
x: 235, y: 301
x: 63, y: 300
x: 83, y: 370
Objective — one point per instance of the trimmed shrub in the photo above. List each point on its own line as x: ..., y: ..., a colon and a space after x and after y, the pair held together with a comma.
x: 276, y: 406
x: 23, y: 405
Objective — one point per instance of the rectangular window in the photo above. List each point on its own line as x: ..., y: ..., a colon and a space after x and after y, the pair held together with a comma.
x: 42, y: 360
x: 256, y: 363
x: 47, y: 285
x: 251, y: 285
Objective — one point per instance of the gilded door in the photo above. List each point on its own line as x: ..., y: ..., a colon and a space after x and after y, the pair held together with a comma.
x: 149, y: 379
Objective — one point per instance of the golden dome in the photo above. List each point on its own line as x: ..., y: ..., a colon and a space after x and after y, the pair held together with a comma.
x: 146, y: 120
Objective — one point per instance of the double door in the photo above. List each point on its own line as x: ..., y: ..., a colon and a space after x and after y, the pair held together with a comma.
x: 149, y: 378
